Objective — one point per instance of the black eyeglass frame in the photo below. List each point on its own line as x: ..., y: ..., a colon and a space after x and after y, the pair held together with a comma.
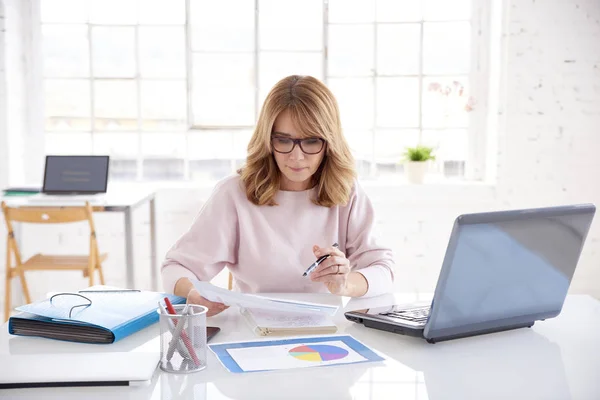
x: 75, y: 306
x: 297, y: 142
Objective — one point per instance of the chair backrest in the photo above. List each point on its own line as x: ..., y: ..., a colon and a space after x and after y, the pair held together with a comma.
x: 47, y: 215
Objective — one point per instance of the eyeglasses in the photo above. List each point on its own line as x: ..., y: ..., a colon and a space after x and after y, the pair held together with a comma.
x: 63, y: 301
x: 285, y: 145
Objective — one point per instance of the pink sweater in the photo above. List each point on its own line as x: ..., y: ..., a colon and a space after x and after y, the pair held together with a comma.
x: 267, y: 248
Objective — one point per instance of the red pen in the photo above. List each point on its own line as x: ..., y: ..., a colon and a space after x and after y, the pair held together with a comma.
x: 184, y: 336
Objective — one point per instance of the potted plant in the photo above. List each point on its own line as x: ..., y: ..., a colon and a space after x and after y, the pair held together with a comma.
x: 416, y: 162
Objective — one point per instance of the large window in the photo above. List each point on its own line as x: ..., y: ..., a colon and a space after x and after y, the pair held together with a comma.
x: 171, y: 89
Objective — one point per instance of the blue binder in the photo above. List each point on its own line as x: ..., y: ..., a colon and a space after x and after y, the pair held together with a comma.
x: 105, y: 317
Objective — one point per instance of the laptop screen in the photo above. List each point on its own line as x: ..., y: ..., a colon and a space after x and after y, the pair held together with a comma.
x: 502, y: 271
x: 76, y: 174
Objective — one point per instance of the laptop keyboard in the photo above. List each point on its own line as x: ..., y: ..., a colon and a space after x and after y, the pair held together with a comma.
x: 413, y: 315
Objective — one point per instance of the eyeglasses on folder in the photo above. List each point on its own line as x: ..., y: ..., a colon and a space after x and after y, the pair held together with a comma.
x: 64, y: 301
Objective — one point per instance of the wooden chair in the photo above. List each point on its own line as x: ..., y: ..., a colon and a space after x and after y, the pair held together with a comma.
x: 88, y: 264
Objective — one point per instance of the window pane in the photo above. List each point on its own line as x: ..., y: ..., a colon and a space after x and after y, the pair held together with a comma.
x: 113, y: 52
x: 66, y: 51
x: 122, y: 169
x: 398, y: 10
x: 163, y: 105
x: 210, y: 170
x: 67, y: 104
x: 163, y: 144
x: 446, y: 47
x: 280, y: 32
x: 276, y: 66
x: 398, y: 102
x: 389, y: 149
x: 162, y: 169
x: 68, y: 143
x: 355, y: 99
x: 450, y: 144
x: 64, y: 11
x: 363, y: 168
x: 398, y: 49
x: 240, y: 144
x: 350, y: 50
x: 447, y: 10
x: 210, y: 145
x: 162, y: 12
x: 351, y: 11
x: 114, y: 11
x: 223, y: 92
x: 162, y: 52
x: 115, y: 105
x: 446, y: 102
x: 390, y: 144
x: 216, y: 28
x: 118, y: 144
x: 360, y: 142
x: 219, y: 145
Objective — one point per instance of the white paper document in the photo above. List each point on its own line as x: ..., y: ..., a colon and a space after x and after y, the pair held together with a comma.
x: 230, y: 298
x: 288, y: 320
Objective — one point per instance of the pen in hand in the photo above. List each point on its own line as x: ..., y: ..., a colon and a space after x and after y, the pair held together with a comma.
x: 314, y: 265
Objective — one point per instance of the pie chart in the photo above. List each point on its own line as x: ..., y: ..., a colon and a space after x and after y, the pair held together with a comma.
x: 318, y: 352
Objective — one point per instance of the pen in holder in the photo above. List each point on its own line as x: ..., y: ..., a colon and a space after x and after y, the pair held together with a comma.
x: 182, y: 337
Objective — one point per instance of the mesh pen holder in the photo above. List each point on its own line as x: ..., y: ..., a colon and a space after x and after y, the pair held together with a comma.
x: 183, y: 339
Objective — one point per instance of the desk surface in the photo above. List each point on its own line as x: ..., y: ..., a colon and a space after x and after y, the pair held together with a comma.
x: 553, y: 360
x: 117, y: 197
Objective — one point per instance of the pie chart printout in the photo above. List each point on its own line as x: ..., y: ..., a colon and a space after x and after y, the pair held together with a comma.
x: 318, y: 352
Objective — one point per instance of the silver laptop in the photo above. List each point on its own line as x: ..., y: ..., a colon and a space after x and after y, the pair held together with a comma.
x: 74, y: 179
x: 502, y: 270
x: 29, y: 362
x: 72, y: 369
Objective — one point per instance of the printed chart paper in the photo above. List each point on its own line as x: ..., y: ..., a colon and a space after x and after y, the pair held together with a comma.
x: 293, y: 353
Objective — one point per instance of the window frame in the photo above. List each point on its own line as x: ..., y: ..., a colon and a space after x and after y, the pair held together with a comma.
x: 478, y: 78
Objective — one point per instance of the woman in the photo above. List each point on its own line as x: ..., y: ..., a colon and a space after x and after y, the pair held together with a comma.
x: 296, y: 196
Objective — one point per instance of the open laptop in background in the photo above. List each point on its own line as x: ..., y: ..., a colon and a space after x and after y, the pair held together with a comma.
x: 74, y: 179
x: 502, y: 270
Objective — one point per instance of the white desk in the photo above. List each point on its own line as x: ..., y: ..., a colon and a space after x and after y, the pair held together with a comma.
x: 119, y: 198
x: 553, y: 360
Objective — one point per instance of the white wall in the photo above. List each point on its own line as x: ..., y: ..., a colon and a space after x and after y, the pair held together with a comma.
x: 15, y: 89
x: 24, y: 91
x: 546, y: 152
x: 550, y: 140
x: 3, y: 105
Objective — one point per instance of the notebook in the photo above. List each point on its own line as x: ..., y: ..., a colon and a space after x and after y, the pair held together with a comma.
x: 282, y: 323
x: 89, y: 316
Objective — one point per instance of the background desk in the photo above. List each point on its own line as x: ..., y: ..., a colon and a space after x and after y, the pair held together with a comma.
x: 556, y: 359
x: 117, y: 199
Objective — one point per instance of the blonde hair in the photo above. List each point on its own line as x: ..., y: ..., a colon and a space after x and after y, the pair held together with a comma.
x: 314, y: 111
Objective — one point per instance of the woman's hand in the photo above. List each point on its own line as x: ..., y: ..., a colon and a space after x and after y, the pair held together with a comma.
x: 193, y: 297
x: 333, y: 271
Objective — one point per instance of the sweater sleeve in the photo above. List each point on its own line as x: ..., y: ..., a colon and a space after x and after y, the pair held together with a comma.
x: 209, y: 245
x: 373, y: 260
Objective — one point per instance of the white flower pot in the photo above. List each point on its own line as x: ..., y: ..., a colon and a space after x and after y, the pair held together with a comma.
x: 415, y: 171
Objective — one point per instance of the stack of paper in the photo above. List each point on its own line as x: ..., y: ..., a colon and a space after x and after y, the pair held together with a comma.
x: 243, y: 300
x: 267, y: 316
